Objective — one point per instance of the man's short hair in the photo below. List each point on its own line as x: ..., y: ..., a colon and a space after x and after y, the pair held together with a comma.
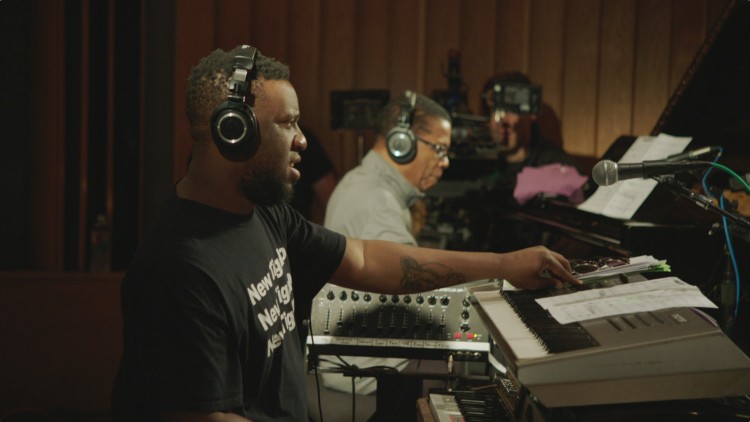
x: 424, y: 107
x: 207, y: 83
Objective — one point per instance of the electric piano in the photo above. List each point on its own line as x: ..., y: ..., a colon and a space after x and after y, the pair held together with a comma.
x: 675, y: 354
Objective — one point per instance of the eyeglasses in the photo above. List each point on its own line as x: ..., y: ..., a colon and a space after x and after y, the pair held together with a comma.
x: 440, y: 150
x: 585, y: 266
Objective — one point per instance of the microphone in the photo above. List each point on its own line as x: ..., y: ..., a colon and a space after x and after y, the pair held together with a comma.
x: 693, y: 154
x: 607, y: 172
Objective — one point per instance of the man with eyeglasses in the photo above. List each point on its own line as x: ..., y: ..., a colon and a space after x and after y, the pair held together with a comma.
x: 374, y: 201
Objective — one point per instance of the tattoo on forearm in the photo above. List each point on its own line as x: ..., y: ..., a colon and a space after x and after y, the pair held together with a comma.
x: 428, y: 276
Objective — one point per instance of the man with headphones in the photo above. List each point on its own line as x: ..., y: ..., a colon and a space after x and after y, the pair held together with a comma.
x: 208, y: 302
x: 410, y: 153
x: 375, y: 199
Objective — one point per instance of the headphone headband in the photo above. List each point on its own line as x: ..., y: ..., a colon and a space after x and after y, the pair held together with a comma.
x: 233, y: 124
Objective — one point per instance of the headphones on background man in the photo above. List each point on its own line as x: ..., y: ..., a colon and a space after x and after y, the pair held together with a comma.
x: 400, y: 140
x: 234, y: 127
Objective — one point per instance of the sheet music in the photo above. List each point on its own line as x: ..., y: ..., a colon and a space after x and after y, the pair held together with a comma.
x: 644, y: 296
x: 636, y: 263
x: 621, y: 200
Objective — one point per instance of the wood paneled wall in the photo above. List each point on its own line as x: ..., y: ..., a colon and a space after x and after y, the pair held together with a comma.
x: 607, y: 67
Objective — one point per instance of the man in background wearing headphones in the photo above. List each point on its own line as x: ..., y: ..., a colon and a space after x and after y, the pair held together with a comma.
x: 374, y: 200
x: 208, y: 303
x: 410, y: 153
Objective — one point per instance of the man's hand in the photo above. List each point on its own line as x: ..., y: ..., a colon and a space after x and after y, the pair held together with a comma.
x: 537, y: 268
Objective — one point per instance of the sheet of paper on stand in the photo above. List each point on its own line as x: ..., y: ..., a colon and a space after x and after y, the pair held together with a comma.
x: 644, y: 296
x: 622, y: 200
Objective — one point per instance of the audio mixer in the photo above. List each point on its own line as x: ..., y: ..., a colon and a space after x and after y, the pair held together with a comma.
x: 431, y: 325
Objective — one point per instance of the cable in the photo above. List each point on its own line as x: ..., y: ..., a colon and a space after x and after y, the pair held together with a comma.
x: 354, y: 402
x: 733, y: 258
x: 725, y: 223
x: 315, y: 367
x: 449, y: 373
x: 342, y: 367
x: 727, y: 237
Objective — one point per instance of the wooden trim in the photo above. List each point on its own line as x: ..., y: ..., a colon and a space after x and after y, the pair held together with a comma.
x: 616, y: 69
x: 48, y: 162
x: 83, y: 171
x: 421, y: 45
x: 111, y: 110
x: 141, y: 209
x: 651, y: 67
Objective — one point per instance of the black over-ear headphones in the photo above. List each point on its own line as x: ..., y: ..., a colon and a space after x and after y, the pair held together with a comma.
x: 401, y: 142
x: 233, y: 124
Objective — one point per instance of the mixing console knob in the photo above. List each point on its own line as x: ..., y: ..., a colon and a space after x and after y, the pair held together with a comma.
x: 465, y: 314
x: 432, y: 300
x: 394, y: 298
x: 342, y: 295
x: 420, y: 299
x: 464, y: 327
x: 465, y: 303
x: 383, y: 298
x: 445, y: 300
x: 407, y: 299
x: 367, y: 297
x: 355, y: 296
x: 330, y: 295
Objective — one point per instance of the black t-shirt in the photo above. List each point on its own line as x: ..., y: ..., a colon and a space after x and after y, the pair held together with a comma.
x: 208, y: 312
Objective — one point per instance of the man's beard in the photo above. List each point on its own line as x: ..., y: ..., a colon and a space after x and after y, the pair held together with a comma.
x: 267, y: 188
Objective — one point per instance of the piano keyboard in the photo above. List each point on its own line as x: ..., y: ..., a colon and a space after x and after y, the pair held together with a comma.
x: 517, y: 336
x: 675, y: 353
x: 470, y: 405
x: 554, y: 337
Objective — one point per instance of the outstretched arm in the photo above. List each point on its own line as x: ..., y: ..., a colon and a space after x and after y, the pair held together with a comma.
x: 392, y: 268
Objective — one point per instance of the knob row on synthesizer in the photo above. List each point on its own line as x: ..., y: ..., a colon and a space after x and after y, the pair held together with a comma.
x: 432, y: 324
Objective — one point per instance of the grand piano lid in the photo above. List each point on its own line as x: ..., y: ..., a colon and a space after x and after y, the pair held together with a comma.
x: 712, y: 101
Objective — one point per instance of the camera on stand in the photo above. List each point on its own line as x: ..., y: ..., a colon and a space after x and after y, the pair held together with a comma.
x: 516, y: 98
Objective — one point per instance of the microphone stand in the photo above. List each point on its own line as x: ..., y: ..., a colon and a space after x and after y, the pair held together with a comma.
x: 740, y: 225
x: 737, y: 225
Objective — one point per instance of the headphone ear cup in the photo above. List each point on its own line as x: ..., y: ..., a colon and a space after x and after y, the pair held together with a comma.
x: 235, y: 130
x: 402, y: 144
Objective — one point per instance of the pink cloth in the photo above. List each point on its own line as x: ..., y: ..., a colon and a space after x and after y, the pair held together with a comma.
x: 555, y: 179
